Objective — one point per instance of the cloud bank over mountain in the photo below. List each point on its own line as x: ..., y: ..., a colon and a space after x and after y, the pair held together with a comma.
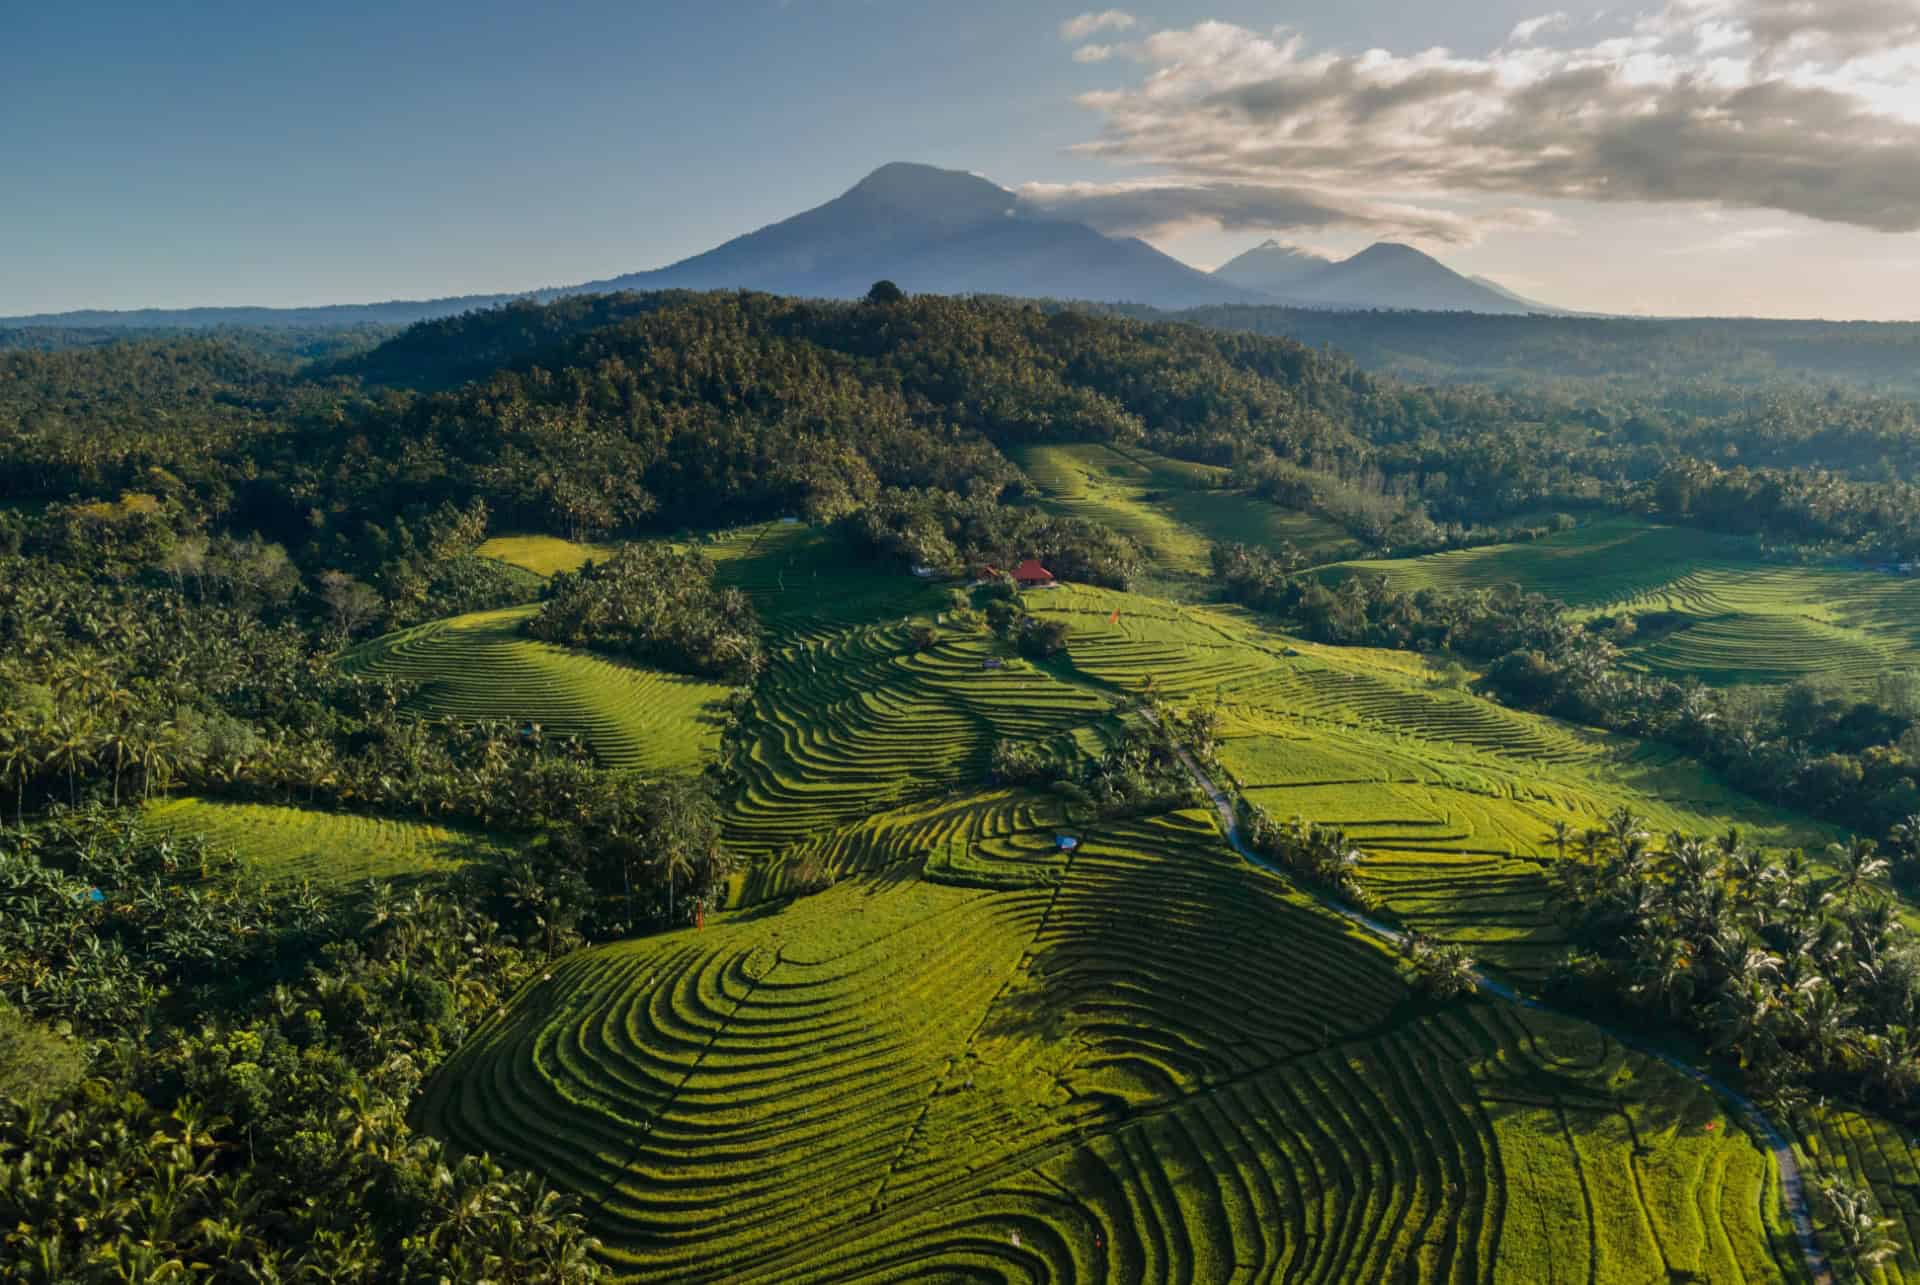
x: 1805, y: 107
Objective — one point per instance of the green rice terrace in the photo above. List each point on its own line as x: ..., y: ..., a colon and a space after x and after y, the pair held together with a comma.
x: 1740, y: 619
x: 957, y: 1049
x: 481, y: 666
x: 1173, y: 509
x: 322, y: 848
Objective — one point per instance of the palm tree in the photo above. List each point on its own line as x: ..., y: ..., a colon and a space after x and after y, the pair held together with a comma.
x: 1891, y: 1062
x: 1854, y: 1227
x: 677, y: 862
x: 1858, y: 865
x: 1623, y: 827
x: 1906, y: 834
x: 17, y: 755
x: 1662, y: 971
x: 72, y: 750
x: 1823, y: 1020
x: 1560, y: 834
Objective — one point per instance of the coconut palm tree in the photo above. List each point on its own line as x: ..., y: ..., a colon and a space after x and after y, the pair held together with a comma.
x: 677, y: 863
x: 1906, y: 836
x: 1858, y: 865
x: 1855, y: 1227
x: 1890, y: 1060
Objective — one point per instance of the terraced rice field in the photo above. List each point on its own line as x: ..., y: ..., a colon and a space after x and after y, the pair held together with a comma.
x: 981, y: 1056
x: 1162, y: 1065
x: 862, y: 722
x: 323, y: 848
x: 1881, y: 1155
x: 1611, y: 561
x: 1765, y: 649
x: 481, y: 666
x: 1451, y: 797
x: 1173, y: 509
x: 1749, y: 621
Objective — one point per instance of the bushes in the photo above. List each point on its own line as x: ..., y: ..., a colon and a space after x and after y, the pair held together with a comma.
x: 941, y: 529
x: 655, y: 606
x: 35, y: 1062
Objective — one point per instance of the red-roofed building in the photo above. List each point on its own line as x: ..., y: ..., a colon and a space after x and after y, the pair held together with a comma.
x: 1031, y: 573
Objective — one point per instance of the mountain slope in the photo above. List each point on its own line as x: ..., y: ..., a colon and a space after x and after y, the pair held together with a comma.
x: 1384, y: 275
x: 929, y: 230
x: 1272, y: 267
x: 936, y: 231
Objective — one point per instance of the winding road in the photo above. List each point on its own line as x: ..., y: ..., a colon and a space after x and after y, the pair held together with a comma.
x: 1793, y: 1186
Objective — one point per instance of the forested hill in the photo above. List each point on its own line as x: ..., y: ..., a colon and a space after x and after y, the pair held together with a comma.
x: 628, y: 413
x: 1580, y: 353
x: 622, y: 414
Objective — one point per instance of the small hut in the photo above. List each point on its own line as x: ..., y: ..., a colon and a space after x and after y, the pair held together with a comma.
x: 1031, y: 575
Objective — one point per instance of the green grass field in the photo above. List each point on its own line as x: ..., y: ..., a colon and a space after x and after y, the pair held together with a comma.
x: 1746, y: 621
x: 1174, y: 510
x: 1161, y: 1066
x: 481, y: 666
x: 324, y: 848
x: 542, y: 554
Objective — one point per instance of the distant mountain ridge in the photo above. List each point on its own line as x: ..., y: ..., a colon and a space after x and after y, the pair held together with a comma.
x: 938, y: 231
x: 942, y: 232
x: 1384, y: 275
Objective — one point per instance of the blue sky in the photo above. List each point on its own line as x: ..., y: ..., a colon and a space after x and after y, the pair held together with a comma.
x: 195, y: 153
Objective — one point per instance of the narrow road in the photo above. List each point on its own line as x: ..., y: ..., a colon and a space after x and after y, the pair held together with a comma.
x: 1793, y: 1187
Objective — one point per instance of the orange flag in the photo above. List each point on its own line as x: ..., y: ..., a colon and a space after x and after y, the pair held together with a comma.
x: 1114, y: 619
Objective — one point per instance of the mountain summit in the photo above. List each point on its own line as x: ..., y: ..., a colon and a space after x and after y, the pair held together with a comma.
x: 940, y: 231
x: 1272, y: 267
x: 1384, y: 275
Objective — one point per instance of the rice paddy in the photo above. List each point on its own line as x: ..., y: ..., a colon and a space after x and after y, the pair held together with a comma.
x: 982, y: 1055
x: 1742, y: 620
x: 1877, y: 1154
x: 1161, y: 1066
x: 544, y: 555
x: 1174, y: 510
x: 481, y: 666
x: 324, y: 848
x: 1450, y: 797
x: 863, y: 722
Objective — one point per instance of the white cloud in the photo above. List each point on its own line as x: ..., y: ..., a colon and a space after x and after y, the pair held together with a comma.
x: 1152, y: 208
x: 1093, y: 53
x: 1804, y: 106
x: 1088, y: 24
x: 1525, y: 31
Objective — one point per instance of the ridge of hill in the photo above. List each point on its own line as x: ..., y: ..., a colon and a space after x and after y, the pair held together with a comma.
x: 1384, y: 275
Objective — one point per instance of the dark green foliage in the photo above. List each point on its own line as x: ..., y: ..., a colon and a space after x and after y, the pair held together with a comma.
x: 1137, y: 773
x: 266, y: 1138
x: 967, y: 534
x: 1366, y: 611
x: 101, y: 923
x: 37, y: 1063
x: 1040, y: 638
x: 1320, y: 855
x: 1799, y: 975
x: 655, y: 606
